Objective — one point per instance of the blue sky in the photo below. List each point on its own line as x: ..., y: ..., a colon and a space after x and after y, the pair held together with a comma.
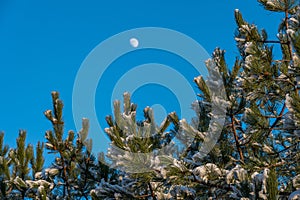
x: 43, y: 44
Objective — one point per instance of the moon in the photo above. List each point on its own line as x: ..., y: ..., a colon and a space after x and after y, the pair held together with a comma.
x: 134, y: 42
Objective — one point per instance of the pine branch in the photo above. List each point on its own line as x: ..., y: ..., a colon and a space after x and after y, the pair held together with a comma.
x: 152, y: 192
x: 272, y: 42
x: 236, y: 138
x: 278, y: 118
x: 285, y: 149
x: 289, y: 43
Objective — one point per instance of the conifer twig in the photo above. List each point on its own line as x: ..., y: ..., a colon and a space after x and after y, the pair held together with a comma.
x: 236, y: 138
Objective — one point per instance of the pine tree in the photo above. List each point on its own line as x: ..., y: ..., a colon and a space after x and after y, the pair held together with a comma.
x: 72, y: 175
x: 18, y: 168
x: 256, y: 155
x: 75, y: 171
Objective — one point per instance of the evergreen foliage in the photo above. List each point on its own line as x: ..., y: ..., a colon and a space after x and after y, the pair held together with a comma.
x: 256, y: 155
